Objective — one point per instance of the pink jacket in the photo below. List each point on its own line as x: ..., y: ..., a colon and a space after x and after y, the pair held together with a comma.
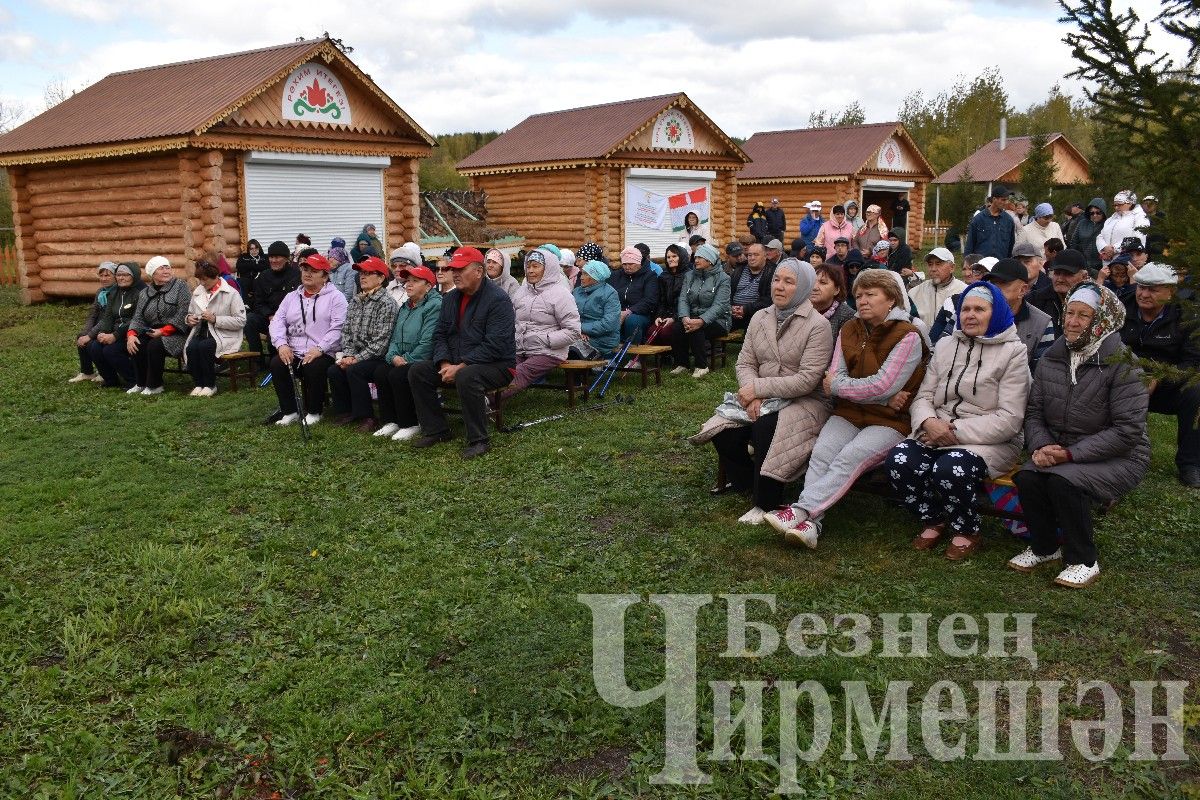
x: 547, y: 316
x: 830, y: 231
x: 305, y: 322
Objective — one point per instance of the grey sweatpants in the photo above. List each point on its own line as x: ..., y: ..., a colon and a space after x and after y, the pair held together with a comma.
x: 842, y: 453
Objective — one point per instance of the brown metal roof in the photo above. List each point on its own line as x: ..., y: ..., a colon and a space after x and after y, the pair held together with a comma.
x: 990, y: 163
x: 162, y: 101
x: 576, y: 134
x: 824, y: 152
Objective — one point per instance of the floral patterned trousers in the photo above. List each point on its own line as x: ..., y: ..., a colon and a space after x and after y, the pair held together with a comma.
x: 936, y: 484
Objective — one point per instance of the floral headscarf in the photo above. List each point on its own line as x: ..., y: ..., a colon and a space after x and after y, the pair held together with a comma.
x: 589, y: 251
x: 1110, y: 316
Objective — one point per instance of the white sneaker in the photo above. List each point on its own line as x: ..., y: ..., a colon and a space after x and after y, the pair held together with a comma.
x: 1027, y: 561
x: 679, y: 370
x: 699, y: 372
x: 135, y: 390
x: 312, y: 419
x: 1077, y: 576
x: 97, y: 378
x: 753, y: 517
x: 158, y: 390
x: 806, y: 533
x: 786, y: 519
x: 406, y: 433
x: 387, y: 430
x: 209, y: 391
x: 80, y: 377
x: 288, y: 419
x: 197, y: 392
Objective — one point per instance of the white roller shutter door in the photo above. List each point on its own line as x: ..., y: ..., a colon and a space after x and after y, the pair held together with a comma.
x: 322, y: 196
x: 664, y: 182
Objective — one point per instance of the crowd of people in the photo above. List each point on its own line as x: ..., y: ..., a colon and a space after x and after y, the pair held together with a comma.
x: 851, y: 361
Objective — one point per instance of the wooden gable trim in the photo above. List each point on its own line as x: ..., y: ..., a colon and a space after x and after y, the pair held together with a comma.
x: 292, y: 144
x: 533, y: 167
x: 99, y: 151
x: 901, y: 133
x: 683, y: 102
x: 804, y: 179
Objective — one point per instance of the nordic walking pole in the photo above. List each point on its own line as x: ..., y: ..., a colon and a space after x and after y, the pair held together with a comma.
x: 298, y: 393
x: 619, y: 399
x: 612, y: 364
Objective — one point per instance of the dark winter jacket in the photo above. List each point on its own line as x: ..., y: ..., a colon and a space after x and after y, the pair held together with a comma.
x: 247, y: 269
x: 164, y: 305
x: 1101, y: 420
x: 638, y: 292
x: 1083, y: 237
x: 486, y: 333
x: 776, y: 222
x: 757, y: 224
x: 122, y: 305
x: 1048, y: 301
x: 900, y: 258
x: 991, y: 236
x: 91, y: 325
x: 1164, y: 339
x: 764, y: 287
x: 270, y: 287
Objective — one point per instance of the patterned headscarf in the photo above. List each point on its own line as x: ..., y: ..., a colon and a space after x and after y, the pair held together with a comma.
x: 805, y: 276
x: 1110, y: 316
x: 590, y: 251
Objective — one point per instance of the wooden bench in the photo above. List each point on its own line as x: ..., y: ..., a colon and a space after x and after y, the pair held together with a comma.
x: 239, y: 366
x: 649, y: 361
x: 721, y: 344
x: 576, y: 380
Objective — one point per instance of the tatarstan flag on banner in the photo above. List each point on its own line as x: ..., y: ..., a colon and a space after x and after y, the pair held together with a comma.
x: 693, y: 200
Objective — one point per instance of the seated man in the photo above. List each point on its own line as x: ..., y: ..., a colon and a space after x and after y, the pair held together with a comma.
x: 474, y: 349
x: 270, y: 287
x: 1155, y: 330
x: 750, y: 286
x: 929, y: 295
x: 1070, y: 270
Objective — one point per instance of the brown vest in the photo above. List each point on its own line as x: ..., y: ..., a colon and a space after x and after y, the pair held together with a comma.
x: 864, y: 355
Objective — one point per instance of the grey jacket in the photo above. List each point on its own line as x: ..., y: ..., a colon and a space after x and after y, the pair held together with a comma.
x: 1101, y: 420
x: 706, y: 295
x: 367, y: 331
x: 165, y: 305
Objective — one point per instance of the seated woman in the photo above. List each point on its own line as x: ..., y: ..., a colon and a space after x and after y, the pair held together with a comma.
x: 216, y: 316
x: 588, y: 251
x: 107, y: 347
x: 412, y: 341
x: 829, y: 297
x: 676, y: 263
x: 878, y: 363
x: 786, y: 353
x: 547, y: 321
x: 158, y: 327
x: 366, y: 333
x: 306, y: 332
x: 91, y: 328
x: 495, y: 264
x: 637, y: 289
x: 702, y: 313
x: 599, y: 312
x: 966, y: 418
x: 1085, y: 429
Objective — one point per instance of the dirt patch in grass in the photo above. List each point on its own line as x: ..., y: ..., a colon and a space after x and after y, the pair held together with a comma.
x: 610, y: 762
x: 48, y: 660
x: 178, y: 742
x: 452, y: 648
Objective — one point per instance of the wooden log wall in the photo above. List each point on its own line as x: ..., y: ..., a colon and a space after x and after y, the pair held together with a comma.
x: 722, y: 211
x: 72, y: 217
x: 549, y: 206
x: 401, y: 199
x: 210, y: 198
x: 231, y: 218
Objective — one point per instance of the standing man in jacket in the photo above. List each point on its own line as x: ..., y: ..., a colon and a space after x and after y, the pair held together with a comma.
x: 776, y: 220
x: 750, y: 286
x: 810, y: 226
x: 474, y: 350
x: 992, y: 231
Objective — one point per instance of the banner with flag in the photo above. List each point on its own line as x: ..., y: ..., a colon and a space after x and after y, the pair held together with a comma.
x: 681, y: 204
x: 644, y: 208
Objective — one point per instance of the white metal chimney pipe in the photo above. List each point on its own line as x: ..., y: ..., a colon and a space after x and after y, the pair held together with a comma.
x: 1003, y: 132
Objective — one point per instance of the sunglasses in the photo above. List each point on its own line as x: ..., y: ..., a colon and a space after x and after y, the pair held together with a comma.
x: 443, y: 269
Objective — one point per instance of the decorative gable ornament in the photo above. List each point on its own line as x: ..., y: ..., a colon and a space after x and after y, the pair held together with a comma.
x: 672, y: 131
x: 891, y: 156
x: 314, y: 94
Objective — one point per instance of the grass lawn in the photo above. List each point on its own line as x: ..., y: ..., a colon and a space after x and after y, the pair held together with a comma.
x: 194, y: 605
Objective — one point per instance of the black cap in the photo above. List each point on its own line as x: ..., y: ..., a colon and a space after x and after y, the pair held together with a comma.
x: 1132, y: 244
x: 279, y: 249
x: 1000, y: 190
x: 734, y: 249
x: 1007, y: 269
x: 1071, y: 261
x: 696, y: 240
x: 841, y: 240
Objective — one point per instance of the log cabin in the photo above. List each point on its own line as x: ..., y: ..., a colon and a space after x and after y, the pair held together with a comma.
x: 615, y: 174
x: 180, y: 159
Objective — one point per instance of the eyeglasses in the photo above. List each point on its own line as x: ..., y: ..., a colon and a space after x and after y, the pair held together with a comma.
x: 1095, y: 213
x: 443, y: 269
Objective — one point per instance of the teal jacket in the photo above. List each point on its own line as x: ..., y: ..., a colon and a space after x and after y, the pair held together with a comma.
x: 412, y: 337
x: 600, y: 315
x: 705, y: 296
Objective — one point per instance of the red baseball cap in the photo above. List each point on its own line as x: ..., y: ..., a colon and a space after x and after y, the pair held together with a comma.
x: 317, y: 261
x: 424, y: 273
x: 372, y: 264
x: 465, y: 257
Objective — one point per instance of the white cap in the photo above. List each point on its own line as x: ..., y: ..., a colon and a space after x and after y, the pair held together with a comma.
x: 988, y: 263
x: 1125, y: 196
x: 567, y: 258
x: 1156, y: 275
x: 410, y: 252
x: 940, y: 253
x: 153, y: 264
x: 815, y: 205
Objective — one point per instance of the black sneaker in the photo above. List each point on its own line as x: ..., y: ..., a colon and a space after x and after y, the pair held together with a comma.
x: 430, y: 440
x: 1190, y: 477
x: 273, y: 417
x: 475, y: 450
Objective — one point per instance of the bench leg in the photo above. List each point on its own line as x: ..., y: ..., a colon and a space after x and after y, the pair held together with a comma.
x: 570, y: 380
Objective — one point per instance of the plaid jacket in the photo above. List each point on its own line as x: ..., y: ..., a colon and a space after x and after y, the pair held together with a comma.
x: 368, y: 327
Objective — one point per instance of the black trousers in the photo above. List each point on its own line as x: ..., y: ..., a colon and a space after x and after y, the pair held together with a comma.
x: 695, y: 342
x: 202, y: 362
x: 395, y: 396
x: 742, y: 469
x: 1052, y: 503
x: 86, y: 365
x: 312, y: 383
x: 1172, y: 398
x: 113, y: 363
x: 257, y: 327
x: 149, y: 361
x: 350, y: 387
x: 473, y: 382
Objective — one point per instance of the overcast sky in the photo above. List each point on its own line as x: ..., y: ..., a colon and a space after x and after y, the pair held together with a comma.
x: 487, y: 64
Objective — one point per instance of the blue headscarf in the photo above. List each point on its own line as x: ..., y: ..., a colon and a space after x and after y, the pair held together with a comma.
x: 1002, y: 316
